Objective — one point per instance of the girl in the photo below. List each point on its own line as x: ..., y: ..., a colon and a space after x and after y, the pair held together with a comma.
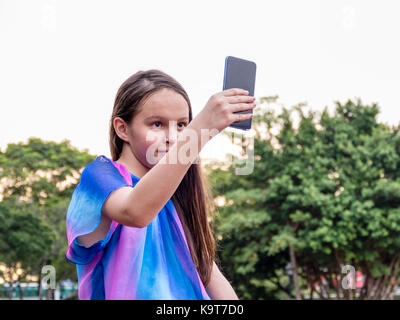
x: 137, y: 224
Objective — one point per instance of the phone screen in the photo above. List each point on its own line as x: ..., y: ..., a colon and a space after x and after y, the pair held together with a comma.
x: 240, y: 73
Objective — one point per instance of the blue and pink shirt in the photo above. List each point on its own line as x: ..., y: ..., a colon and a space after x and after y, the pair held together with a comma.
x: 150, y: 263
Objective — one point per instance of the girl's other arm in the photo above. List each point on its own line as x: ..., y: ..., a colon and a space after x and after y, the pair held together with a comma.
x: 219, y: 287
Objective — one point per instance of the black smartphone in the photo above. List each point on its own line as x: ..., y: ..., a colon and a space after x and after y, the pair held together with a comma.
x: 240, y: 73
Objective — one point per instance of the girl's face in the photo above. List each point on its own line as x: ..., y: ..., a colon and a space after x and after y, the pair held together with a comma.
x: 155, y: 128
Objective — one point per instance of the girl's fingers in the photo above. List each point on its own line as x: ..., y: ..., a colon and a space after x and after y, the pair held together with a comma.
x: 234, y: 92
x: 241, y: 116
x: 240, y: 99
x: 242, y: 106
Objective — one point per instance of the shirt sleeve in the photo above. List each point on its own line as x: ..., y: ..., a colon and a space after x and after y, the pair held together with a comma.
x: 98, y: 180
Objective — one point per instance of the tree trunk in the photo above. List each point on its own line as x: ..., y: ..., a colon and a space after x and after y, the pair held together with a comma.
x: 21, y: 292
x: 40, y: 286
x: 295, y: 275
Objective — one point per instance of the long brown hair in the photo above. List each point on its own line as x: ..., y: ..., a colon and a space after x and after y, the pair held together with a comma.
x: 192, y: 199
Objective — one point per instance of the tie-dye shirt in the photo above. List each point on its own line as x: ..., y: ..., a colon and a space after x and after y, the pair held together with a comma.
x: 150, y: 263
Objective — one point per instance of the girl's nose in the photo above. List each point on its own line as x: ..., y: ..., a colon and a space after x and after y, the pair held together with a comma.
x: 172, y: 134
x: 172, y: 137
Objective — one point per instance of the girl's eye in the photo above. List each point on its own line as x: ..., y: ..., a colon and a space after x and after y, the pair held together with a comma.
x: 183, y: 124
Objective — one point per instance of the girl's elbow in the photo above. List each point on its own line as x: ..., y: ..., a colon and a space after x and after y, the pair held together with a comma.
x: 137, y: 221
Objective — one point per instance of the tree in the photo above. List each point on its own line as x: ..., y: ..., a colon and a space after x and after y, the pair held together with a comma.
x: 328, y: 189
x: 38, y: 177
x: 23, y: 238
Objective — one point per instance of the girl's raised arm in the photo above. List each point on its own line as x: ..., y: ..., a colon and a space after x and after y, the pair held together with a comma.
x: 138, y: 206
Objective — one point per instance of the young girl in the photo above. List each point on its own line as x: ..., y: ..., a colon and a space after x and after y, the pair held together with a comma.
x: 138, y: 223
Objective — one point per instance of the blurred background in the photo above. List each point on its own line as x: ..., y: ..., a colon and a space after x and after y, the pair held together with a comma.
x: 318, y: 217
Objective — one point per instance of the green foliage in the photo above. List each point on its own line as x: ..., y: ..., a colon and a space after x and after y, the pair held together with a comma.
x: 23, y: 237
x: 20, y: 161
x: 329, y: 187
x: 38, y: 178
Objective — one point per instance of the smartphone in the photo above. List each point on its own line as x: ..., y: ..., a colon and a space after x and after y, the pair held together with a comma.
x: 240, y: 73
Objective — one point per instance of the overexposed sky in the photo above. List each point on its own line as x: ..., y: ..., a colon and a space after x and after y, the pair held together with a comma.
x: 62, y: 62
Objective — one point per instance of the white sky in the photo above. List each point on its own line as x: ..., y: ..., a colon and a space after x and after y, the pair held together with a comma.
x: 62, y: 62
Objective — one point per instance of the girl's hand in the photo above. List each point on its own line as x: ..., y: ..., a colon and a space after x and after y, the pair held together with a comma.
x: 218, y: 113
